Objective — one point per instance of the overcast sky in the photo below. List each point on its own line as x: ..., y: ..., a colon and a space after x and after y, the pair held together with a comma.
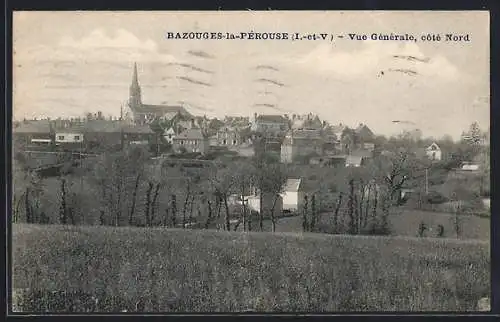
x: 70, y: 63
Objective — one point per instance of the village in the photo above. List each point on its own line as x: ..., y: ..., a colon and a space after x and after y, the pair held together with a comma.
x: 268, y: 175
x: 303, y: 143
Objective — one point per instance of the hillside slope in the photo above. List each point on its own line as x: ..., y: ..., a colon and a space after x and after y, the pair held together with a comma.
x: 185, y: 270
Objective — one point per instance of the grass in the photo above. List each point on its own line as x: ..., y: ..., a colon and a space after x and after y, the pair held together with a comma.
x: 403, y: 224
x: 207, y: 271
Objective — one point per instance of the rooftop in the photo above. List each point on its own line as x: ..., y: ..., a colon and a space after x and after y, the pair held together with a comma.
x: 272, y: 118
x: 292, y: 185
x: 40, y: 126
x: 191, y: 134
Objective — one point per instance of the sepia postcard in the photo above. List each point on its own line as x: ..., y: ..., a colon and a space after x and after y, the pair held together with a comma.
x: 250, y: 161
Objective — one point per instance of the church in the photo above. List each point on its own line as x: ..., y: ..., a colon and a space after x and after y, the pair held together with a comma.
x: 146, y: 113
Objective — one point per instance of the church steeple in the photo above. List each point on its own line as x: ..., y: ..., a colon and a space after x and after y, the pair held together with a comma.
x: 135, y: 90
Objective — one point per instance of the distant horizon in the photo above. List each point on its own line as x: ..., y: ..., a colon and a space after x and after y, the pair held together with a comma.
x: 352, y: 126
x: 87, y: 67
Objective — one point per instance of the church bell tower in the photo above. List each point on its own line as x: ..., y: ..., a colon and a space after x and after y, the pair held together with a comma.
x: 135, y: 91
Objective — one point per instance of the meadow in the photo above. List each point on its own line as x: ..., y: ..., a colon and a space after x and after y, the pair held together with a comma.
x: 403, y: 223
x: 83, y: 268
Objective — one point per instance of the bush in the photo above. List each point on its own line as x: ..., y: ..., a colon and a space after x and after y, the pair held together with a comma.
x: 206, y: 271
x: 434, y: 198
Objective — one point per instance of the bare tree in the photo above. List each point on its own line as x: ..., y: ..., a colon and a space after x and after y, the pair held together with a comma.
x: 350, y: 207
x: 222, y: 182
x: 148, y: 204
x: 313, y: 213
x: 63, y: 210
x: 305, y: 224
x: 154, y: 203
x: 134, y: 199
x: 336, y: 213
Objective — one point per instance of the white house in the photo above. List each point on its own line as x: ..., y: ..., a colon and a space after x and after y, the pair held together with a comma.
x: 169, y: 135
x: 469, y: 166
x: 293, y: 195
x: 69, y: 137
x: 434, y: 152
x: 354, y: 161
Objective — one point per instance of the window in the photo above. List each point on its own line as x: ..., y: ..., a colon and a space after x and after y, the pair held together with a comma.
x: 224, y: 141
x: 234, y: 142
x: 60, y: 137
x: 182, y: 142
x: 77, y: 138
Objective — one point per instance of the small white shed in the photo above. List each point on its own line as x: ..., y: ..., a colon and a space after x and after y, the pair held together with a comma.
x: 293, y: 194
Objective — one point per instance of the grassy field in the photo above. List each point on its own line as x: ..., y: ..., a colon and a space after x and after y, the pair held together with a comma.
x: 405, y: 224
x: 207, y: 271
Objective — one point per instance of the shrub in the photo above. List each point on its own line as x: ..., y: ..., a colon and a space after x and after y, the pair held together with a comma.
x: 434, y: 197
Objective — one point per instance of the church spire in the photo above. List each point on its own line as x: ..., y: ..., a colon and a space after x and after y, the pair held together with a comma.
x: 135, y: 78
x: 135, y: 91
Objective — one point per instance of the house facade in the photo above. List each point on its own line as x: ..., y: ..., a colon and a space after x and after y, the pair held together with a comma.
x: 306, y: 122
x: 270, y: 125
x: 228, y: 136
x: 293, y: 195
x: 191, y: 140
x: 270, y: 202
x: 300, y: 144
x: 364, y: 138
x: 434, y: 152
x: 33, y: 134
x: 169, y: 135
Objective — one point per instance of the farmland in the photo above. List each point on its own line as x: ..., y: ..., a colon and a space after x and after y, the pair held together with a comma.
x: 407, y: 223
x: 158, y: 269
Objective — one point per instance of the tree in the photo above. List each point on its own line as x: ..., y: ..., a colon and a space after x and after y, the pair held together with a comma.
x: 350, y: 208
x: 336, y: 213
x: 474, y: 135
x: 305, y: 224
x: 313, y: 213
x: 244, y: 178
x: 63, y: 212
x: 117, y: 176
x: 421, y: 229
x: 222, y: 183
x: 269, y: 178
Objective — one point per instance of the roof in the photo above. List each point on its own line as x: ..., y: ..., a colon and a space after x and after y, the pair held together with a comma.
x: 314, y: 123
x: 337, y: 128
x: 169, y: 115
x: 161, y: 110
x: 307, y: 134
x: 364, y: 132
x: 354, y: 159
x: 434, y: 144
x: 362, y: 153
x: 140, y: 129
x: 191, y: 134
x: 228, y: 128
x: 272, y: 118
x: 79, y: 127
x: 292, y: 185
x: 40, y: 126
x: 169, y: 130
x: 103, y: 126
